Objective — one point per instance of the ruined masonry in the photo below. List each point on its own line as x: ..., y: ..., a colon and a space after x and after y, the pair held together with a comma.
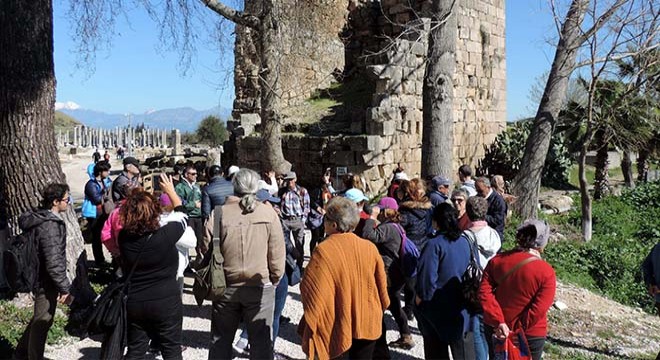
x: 382, y: 44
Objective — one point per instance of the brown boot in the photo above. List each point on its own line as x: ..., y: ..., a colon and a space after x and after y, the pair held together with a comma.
x: 405, y: 342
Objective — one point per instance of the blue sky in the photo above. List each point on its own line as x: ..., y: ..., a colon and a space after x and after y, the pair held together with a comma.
x: 134, y: 75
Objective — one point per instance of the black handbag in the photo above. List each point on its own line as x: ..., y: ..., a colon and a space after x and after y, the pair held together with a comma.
x: 110, y: 307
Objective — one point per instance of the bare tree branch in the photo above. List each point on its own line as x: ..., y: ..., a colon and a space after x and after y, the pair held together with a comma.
x: 598, y: 23
x: 233, y: 15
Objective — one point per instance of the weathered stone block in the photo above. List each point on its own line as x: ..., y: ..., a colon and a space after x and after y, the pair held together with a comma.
x: 364, y: 143
x: 381, y: 128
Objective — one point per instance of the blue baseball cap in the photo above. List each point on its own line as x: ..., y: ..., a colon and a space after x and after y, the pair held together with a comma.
x: 355, y: 195
x: 263, y: 195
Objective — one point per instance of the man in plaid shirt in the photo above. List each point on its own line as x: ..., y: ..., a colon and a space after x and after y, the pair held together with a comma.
x: 294, y: 210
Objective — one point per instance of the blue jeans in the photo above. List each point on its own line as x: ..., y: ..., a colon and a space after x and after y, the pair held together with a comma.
x: 281, y: 292
x: 480, y: 343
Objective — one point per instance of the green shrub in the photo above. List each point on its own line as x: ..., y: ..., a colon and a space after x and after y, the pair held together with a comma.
x: 505, y: 154
x: 14, y: 320
x: 624, y: 230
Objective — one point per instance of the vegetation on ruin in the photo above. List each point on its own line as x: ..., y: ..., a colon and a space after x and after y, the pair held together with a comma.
x: 64, y: 122
x: 331, y: 111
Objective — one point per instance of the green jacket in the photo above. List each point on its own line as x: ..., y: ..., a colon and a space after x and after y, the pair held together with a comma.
x: 189, y: 194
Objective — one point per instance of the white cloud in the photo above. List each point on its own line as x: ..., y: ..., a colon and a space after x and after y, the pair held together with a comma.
x: 69, y: 105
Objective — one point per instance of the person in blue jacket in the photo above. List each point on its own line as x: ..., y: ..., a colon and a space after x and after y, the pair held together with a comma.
x: 92, y: 206
x: 441, y: 310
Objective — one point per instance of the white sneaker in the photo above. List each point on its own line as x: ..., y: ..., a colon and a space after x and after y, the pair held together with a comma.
x: 241, y: 346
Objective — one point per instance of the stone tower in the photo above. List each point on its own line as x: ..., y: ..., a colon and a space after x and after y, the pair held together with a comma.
x: 379, y: 48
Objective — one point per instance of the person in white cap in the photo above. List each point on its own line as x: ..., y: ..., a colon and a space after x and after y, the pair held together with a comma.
x: 231, y: 171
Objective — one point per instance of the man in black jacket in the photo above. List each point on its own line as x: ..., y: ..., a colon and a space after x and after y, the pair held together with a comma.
x: 53, y: 284
x: 497, y: 208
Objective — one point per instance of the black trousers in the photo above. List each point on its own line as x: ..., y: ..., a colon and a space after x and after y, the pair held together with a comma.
x: 409, y: 292
x: 160, y: 320
x: 536, y: 346
x: 394, y: 292
x: 97, y: 245
x: 33, y: 342
x: 360, y: 349
x: 317, y: 236
x: 462, y: 349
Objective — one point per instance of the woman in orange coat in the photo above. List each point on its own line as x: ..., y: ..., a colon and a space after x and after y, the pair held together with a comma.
x: 343, y: 268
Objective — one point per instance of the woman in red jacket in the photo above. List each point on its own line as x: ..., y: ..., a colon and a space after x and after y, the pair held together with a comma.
x: 518, y: 288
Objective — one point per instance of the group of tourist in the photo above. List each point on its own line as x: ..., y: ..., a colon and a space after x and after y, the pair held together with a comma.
x: 409, y: 252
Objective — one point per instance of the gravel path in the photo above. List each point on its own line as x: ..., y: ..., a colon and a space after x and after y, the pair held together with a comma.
x: 196, y: 333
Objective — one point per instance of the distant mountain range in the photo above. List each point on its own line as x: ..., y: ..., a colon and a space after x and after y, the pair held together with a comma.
x: 185, y: 119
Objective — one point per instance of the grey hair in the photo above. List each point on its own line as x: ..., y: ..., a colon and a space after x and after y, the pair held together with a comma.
x: 484, y: 180
x: 342, y: 212
x: 246, y: 185
x: 460, y: 192
x: 476, y: 208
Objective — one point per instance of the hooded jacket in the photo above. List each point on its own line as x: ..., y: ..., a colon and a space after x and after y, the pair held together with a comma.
x: 416, y: 221
x: 50, y: 234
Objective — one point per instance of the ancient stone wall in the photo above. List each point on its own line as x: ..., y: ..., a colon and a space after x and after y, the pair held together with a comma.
x: 385, y: 43
x: 310, y: 47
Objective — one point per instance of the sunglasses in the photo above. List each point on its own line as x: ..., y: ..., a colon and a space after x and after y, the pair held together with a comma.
x: 67, y: 200
x: 194, y: 174
x: 457, y: 200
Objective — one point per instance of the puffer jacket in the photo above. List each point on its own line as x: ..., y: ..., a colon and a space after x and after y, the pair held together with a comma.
x: 416, y: 221
x: 215, y: 193
x: 50, y: 234
x: 93, y: 199
x: 252, y: 244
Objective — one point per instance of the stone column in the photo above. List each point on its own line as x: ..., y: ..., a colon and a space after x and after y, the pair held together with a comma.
x: 163, y: 139
x: 176, y: 142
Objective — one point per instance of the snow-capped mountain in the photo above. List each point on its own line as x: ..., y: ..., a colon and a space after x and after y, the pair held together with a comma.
x: 184, y: 119
x: 69, y: 105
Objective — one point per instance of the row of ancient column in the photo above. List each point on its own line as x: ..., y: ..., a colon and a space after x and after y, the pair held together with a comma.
x: 83, y: 136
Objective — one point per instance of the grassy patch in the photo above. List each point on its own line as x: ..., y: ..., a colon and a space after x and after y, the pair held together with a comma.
x: 14, y: 320
x: 614, y: 174
x: 624, y: 230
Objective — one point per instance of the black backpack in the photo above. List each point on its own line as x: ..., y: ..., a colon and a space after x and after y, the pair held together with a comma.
x: 21, y: 262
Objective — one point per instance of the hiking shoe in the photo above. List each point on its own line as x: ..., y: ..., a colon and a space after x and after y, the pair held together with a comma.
x: 405, y: 342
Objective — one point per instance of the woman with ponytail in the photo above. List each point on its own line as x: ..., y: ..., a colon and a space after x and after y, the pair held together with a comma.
x: 252, y: 244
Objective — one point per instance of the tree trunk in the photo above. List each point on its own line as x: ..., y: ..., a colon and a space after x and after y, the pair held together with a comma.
x: 28, y: 153
x: 585, y: 199
x: 643, y: 166
x: 626, y: 168
x: 269, y: 81
x: 528, y: 181
x: 601, y: 178
x: 438, y: 92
